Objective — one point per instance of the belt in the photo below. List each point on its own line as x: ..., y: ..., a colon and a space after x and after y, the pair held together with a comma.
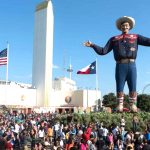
x: 125, y: 61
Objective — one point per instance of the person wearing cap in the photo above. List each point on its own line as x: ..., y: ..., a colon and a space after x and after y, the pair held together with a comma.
x: 124, y: 48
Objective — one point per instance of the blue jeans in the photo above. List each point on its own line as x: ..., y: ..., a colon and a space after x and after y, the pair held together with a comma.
x: 126, y: 72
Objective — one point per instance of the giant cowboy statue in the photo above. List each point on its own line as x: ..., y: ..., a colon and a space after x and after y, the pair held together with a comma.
x: 124, y: 48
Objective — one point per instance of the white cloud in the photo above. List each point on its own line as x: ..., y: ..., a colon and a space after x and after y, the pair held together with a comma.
x: 55, y: 66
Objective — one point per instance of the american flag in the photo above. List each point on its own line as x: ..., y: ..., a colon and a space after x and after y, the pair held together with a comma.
x: 3, y: 57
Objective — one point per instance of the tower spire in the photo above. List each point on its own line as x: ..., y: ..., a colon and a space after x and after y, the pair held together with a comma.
x: 70, y: 70
x: 42, y: 68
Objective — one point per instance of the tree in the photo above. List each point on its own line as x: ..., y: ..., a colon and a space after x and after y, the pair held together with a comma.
x: 109, y: 100
x: 143, y: 102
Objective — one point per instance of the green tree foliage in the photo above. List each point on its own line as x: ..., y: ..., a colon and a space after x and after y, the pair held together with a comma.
x: 109, y: 100
x: 143, y: 102
x: 108, y: 119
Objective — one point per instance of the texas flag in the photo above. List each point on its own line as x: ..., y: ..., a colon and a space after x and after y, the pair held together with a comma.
x: 90, y: 69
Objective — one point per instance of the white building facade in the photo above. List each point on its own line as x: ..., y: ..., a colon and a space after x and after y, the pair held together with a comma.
x: 17, y: 95
x: 64, y: 96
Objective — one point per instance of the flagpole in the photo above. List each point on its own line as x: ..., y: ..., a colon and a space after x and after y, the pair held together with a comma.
x: 96, y: 82
x: 7, y: 63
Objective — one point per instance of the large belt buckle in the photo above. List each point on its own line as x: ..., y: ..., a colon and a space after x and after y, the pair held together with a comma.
x: 131, y: 60
x: 127, y: 60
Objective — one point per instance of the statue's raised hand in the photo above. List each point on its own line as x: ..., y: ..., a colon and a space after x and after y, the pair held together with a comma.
x: 88, y: 43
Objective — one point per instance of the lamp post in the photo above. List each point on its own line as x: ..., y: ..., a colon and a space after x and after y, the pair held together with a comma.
x: 70, y: 70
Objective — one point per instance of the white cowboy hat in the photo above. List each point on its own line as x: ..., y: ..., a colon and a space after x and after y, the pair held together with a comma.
x: 123, y: 19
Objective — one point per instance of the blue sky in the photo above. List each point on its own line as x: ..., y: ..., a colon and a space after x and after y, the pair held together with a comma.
x: 75, y: 21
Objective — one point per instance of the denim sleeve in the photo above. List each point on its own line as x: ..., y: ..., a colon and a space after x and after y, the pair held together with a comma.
x: 103, y: 50
x: 143, y: 40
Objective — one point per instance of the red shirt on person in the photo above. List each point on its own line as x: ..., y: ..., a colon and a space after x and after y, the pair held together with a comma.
x: 8, y: 146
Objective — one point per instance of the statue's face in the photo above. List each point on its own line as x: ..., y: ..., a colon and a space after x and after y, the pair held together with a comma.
x: 125, y: 27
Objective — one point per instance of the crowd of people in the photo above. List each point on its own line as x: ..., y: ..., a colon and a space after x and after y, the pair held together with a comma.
x: 34, y: 131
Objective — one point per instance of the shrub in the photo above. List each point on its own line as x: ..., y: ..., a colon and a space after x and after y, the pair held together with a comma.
x: 108, y: 119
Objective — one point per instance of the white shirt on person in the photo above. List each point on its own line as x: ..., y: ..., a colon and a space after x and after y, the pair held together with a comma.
x: 122, y: 122
x: 17, y: 127
x: 105, y: 132
x: 41, y: 133
x: 56, y: 127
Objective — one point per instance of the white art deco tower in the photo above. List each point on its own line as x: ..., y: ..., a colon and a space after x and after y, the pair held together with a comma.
x: 43, y: 53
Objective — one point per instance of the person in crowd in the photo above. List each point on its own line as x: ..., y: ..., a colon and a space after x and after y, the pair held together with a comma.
x: 50, y: 133
x: 110, y: 140
x: 129, y: 145
x: 135, y: 122
x: 70, y: 143
x: 83, y: 145
x: 146, y: 146
x: 38, y: 146
x: 120, y: 144
x: 2, y: 142
x: 56, y: 130
x: 41, y: 133
x: 147, y: 136
x: 9, y: 145
x: 122, y: 122
x: 105, y: 132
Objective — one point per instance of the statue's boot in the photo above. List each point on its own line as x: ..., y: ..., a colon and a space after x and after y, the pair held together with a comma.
x: 120, y: 98
x: 133, y: 101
